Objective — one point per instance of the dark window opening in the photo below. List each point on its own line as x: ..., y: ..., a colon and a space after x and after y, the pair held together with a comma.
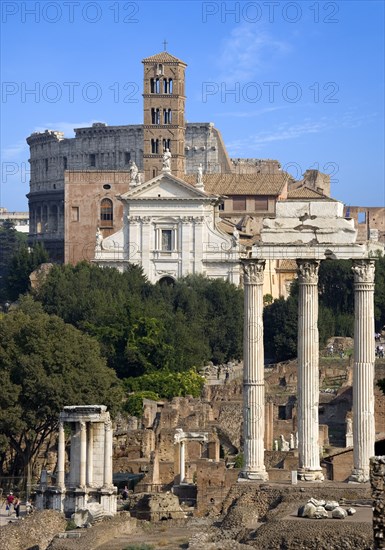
x: 106, y: 186
x: 239, y: 203
x: 127, y: 158
x: 155, y: 146
x: 46, y: 165
x: 92, y: 159
x: 167, y: 144
x: 154, y: 86
x: 167, y: 116
x: 261, y: 204
x: 65, y: 163
x: 106, y: 213
x: 155, y: 116
x: 282, y: 412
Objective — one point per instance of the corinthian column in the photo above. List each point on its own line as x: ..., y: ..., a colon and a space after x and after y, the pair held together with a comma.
x: 61, y: 457
x: 308, y: 372
x: 253, y: 372
x: 363, y: 370
x: 83, y: 454
x: 107, y: 471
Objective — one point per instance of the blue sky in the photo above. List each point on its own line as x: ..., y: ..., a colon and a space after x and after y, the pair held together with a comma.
x: 301, y: 82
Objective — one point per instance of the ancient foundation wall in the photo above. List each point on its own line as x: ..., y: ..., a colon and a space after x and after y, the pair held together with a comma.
x: 377, y: 481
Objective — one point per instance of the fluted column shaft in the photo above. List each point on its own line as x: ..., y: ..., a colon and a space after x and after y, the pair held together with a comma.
x: 61, y: 456
x: 363, y: 369
x: 253, y: 374
x: 83, y: 454
x: 107, y: 474
x: 308, y: 372
x: 182, y: 461
x: 90, y: 454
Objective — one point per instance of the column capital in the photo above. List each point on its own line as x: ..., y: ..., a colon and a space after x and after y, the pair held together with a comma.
x: 363, y: 271
x: 308, y: 271
x: 253, y: 271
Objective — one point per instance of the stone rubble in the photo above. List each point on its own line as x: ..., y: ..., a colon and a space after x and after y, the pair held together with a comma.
x: 318, y: 509
x: 377, y: 482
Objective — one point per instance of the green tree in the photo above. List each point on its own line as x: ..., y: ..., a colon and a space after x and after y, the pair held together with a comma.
x: 10, y: 240
x: 46, y: 364
x: 280, y: 329
x: 167, y: 384
x: 23, y: 262
x: 379, y: 294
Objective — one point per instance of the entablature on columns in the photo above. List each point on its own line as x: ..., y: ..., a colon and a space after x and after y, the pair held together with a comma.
x: 181, y: 436
x: 85, y: 413
x: 368, y: 250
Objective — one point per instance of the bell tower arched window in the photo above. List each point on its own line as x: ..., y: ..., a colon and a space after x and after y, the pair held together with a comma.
x: 155, y: 146
x: 155, y: 116
x: 106, y: 213
x: 167, y: 117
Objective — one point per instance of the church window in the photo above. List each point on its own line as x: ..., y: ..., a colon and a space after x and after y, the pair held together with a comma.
x: 127, y: 158
x: 155, y: 146
x: 106, y: 213
x: 167, y: 240
x: 221, y: 206
x: 154, y: 85
x: 92, y: 159
x: 167, y: 117
x: 167, y: 85
x: 239, y: 203
x: 155, y: 116
x: 167, y: 144
x: 159, y: 69
x: 65, y: 163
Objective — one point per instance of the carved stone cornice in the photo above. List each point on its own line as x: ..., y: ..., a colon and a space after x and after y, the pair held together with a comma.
x: 253, y: 271
x: 308, y: 271
x: 364, y: 271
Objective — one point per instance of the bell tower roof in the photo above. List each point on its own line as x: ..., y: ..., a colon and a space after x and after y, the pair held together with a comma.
x: 163, y: 57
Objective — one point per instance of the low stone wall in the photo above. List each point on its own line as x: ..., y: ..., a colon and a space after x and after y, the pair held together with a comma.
x: 95, y: 536
x: 35, y: 531
x: 377, y: 481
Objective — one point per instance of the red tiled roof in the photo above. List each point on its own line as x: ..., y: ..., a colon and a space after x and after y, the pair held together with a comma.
x: 242, y: 184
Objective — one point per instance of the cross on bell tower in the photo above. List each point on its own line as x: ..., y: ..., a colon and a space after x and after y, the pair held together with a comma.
x: 164, y: 105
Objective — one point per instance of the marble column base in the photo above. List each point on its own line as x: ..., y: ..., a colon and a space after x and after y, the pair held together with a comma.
x: 359, y: 476
x: 310, y: 475
x: 253, y: 476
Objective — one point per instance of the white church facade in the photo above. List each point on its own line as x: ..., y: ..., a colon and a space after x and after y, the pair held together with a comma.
x: 170, y: 229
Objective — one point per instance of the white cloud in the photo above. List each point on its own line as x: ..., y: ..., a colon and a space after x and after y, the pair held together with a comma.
x: 248, y: 114
x: 283, y: 132
x: 246, y: 51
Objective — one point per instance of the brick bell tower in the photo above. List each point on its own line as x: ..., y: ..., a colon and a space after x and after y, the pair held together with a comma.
x: 164, y: 105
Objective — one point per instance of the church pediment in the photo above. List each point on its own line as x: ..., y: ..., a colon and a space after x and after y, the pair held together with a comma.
x: 166, y: 187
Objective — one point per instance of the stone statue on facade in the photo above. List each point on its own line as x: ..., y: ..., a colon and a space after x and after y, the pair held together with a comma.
x: 167, y: 161
x: 200, y: 176
x: 99, y: 239
x: 133, y: 172
x: 284, y: 444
